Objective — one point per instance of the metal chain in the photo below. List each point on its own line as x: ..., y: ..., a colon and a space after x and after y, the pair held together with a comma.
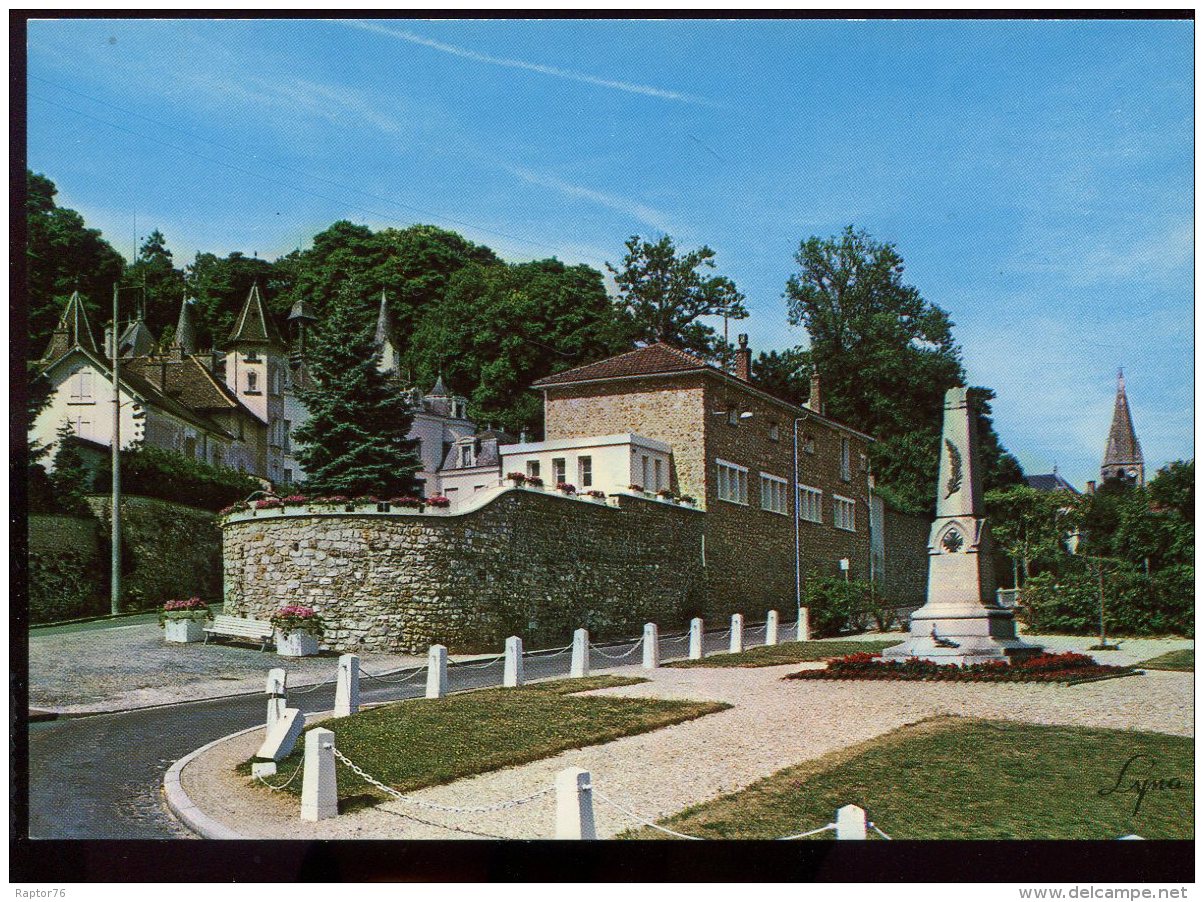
x: 643, y: 820
x: 638, y: 643
x: 433, y: 806
x: 314, y: 688
x: 549, y: 653
x: 285, y: 783
x: 404, y: 679
x: 876, y: 830
x: 480, y: 665
x: 822, y: 829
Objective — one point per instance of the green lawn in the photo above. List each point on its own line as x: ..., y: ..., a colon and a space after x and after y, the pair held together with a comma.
x: 425, y: 742
x: 785, y: 653
x: 1184, y: 659
x: 957, y: 778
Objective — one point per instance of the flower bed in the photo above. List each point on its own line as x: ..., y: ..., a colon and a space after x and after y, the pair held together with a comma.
x: 1068, y: 667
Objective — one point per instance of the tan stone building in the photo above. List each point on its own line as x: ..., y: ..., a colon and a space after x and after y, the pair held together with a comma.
x: 733, y: 448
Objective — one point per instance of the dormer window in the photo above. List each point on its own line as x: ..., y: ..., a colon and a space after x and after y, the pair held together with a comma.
x: 252, y: 357
x: 466, y: 457
x: 252, y: 383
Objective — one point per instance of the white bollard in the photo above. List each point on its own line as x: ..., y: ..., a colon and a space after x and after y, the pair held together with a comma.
x: 771, y: 628
x: 850, y: 822
x: 695, y: 638
x: 804, y: 625
x: 283, y: 735
x: 652, y: 647
x: 737, y: 644
x: 512, y: 675
x: 436, y: 672
x: 580, y: 660
x: 574, y: 805
x: 319, y: 787
x: 277, y: 695
x: 347, y: 690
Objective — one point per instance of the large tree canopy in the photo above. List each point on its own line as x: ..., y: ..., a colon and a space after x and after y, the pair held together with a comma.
x: 664, y: 294
x: 886, y: 357
x: 501, y: 327
x: 220, y: 286
x: 63, y: 255
x: 355, y: 440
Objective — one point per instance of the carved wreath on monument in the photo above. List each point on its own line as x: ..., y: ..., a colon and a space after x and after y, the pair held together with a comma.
x: 953, y: 541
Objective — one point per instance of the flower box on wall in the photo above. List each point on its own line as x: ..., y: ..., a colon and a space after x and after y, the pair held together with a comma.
x: 296, y: 644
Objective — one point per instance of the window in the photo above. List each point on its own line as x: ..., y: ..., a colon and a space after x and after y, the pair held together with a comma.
x: 466, y: 456
x: 733, y: 417
x: 773, y: 494
x: 843, y: 510
x: 558, y: 470
x: 808, y: 444
x: 732, y: 482
x: 774, y: 433
x: 585, y: 471
x: 810, y: 504
x: 285, y: 439
x: 533, y: 468
x: 845, y: 470
x: 645, y: 477
x: 190, y: 446
x: 656, y: 474
x: 81, y: 388
x: 252, y: 383
x: 252, y: 357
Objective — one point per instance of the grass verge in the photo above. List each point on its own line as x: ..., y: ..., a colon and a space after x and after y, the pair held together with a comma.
x: 959, y: 778
x: 422, y: 742
x: 785, y: 653
x: 1183, y: 659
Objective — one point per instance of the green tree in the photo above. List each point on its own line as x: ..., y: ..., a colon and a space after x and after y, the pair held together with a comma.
x: 886, y: 357
x: 1032, y: 527
x: 664, y: 294
x: 785, y: 374
x: 1173, y: 488
x: 220, y: 286
x: 500, y: 328
x: 354, y: 442
x: 62, y: 255
x: 70, y: 479
x: 163, y: 285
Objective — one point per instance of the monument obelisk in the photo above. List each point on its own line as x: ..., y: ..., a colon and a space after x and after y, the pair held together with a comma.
x: 962, y: 623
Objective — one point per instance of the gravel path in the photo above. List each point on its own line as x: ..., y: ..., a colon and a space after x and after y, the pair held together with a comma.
x: 773, y: 724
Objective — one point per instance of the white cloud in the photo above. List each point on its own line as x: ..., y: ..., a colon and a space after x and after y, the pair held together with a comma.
x: 463, y: 53
x: 642, y: 212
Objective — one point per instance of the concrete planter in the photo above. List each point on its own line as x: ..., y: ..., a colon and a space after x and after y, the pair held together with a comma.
x: 184, y: 631
x: 297, y: 644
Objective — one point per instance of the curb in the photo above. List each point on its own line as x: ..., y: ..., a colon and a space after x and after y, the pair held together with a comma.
x: 182, y: 806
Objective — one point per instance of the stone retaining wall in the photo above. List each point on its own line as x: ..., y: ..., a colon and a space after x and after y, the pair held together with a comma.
x: 528, y: 563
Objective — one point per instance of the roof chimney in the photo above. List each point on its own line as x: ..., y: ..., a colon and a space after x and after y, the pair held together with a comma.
x: 816, y: 401
x: 1090, y: 486
x: 743, y: 359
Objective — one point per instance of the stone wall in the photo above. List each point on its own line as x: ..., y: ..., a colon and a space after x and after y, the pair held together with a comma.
x: 528, y: 563
x: 65, y: 564
x: 905, y: 580
x: 168, y: 551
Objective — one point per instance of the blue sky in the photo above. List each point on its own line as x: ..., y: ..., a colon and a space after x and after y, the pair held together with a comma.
x: 1036, y: 176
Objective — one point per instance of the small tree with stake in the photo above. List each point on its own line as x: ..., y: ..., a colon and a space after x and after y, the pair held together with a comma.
x: 355, y: 441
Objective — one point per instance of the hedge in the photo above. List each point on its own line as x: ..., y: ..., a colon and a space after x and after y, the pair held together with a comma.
x: 1134, y: 604
x: 159, y: 473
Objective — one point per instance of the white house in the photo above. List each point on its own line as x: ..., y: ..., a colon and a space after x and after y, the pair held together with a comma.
x: 606, y: 463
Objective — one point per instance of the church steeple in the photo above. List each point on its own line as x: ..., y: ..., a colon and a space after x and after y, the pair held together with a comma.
x: 254, y: 326
x: 72, y: 331
x: 1122, y: 456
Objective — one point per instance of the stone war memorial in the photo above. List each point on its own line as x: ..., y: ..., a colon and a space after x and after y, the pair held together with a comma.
x: 962, y: 622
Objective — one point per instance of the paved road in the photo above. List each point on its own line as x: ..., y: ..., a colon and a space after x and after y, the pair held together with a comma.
x: 99, y: 777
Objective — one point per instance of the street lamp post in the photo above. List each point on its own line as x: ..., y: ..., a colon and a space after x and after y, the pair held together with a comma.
x: 798, y: 560
x: 115, y: 540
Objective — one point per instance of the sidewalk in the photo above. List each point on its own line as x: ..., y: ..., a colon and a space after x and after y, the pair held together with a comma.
x: 773, y: 724
x: 110, y: 667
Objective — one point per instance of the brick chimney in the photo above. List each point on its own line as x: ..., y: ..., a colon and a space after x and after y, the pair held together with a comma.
x: 743, y: 359
x: 816, y: 400
x: 1090, y: 486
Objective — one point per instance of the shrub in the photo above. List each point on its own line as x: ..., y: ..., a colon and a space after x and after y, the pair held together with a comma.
x: 159, y: 473
x: 1134, y: 605
x: 833, y: 602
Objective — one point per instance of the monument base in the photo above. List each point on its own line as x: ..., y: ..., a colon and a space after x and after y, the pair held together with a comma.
x: 962, y: 636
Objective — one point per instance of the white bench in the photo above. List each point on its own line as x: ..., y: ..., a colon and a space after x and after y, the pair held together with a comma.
x: 240, y: 628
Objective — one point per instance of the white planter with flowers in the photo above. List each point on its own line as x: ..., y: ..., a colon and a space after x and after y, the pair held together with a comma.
x: 298, y: 631
x: 184, y: 621
x: 297, y: 644
x: 184, y: 631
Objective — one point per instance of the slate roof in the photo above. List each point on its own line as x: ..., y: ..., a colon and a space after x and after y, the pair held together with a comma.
x: 254, y: 325
x: 1049, y: 482
x: 185, y: 337
x: 188, y: 380
x: 386, y: 327
x: 487, y: 454
x: 72, y: 330
x: 1122, y: 447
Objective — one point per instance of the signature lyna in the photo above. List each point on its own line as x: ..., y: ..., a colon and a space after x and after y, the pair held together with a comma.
x: 1129, y: 783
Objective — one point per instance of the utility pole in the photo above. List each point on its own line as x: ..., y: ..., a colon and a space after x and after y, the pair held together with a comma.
x: 115, y: 541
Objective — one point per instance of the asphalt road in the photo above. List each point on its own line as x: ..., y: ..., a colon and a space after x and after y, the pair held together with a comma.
x: 99, y: 777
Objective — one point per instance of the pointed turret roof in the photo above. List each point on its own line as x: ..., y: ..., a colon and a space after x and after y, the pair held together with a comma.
x: 254, y: 326
x: 1123, y: 447
x: 185, y: 337
x: 301, y: 310
x: 137, y: 340
x: 386, y: 326
x: 72, y: 331
x: 440, y: 390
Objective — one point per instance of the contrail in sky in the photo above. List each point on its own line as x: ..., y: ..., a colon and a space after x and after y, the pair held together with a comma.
x: 532, y: 67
